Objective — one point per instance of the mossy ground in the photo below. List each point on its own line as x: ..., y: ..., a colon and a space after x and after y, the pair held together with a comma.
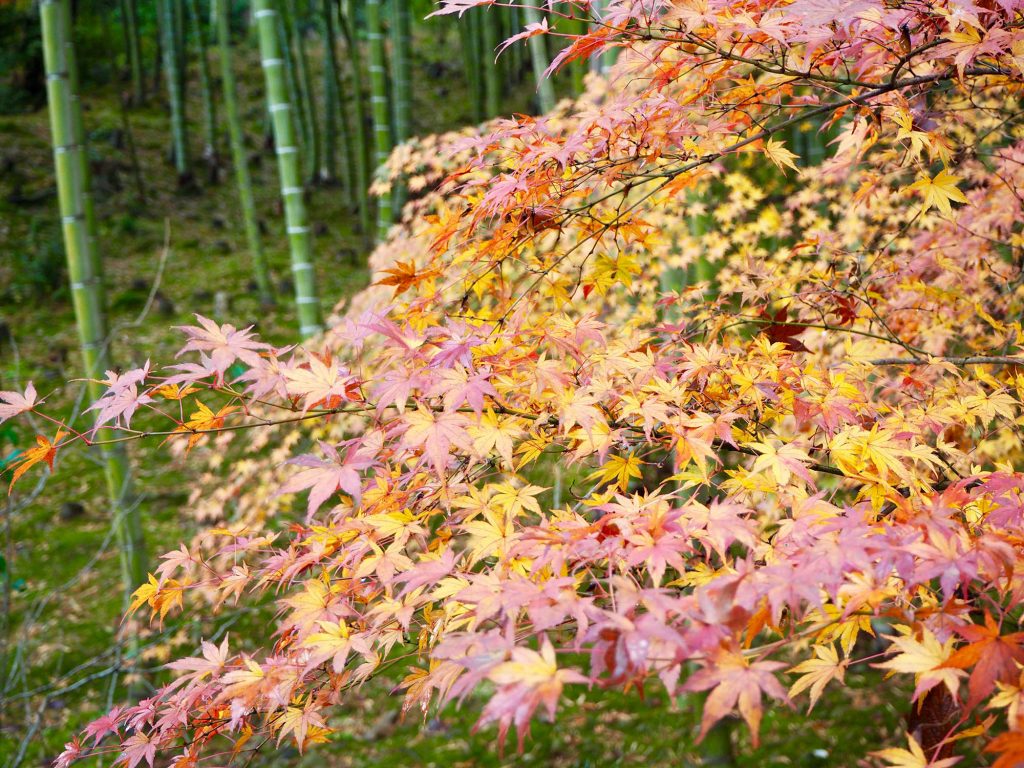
x: 61, y: 605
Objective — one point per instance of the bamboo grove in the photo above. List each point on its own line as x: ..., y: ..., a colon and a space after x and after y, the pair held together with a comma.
x: 334, y: 128
x: 706, y: 379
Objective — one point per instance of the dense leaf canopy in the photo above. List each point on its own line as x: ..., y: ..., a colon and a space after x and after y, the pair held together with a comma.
x: 638, y: 394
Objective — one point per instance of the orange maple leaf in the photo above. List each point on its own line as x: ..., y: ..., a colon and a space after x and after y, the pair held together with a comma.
x: 203, y: 421
x: 44, y: 451
x: 994, y: 657
x: 405, y: 275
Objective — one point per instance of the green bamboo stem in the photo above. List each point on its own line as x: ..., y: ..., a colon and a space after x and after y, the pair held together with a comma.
x: 490, y: 25
x: 703, y: 269
x: 295, y: 40
x: 348, y: 149
x: 401, y: 77
x: 578, y: 68
x: 361, y: 145
x: 470, y: 37
x: 333, y: 122
x: 181, y: 49
x: 360, y: 139
x: 297, y: 223
x: 172, y: 74
x: 239, y: 157
x: 381, y: 111
x: 133, y: 49
x: 539, y: 60
x: 83, y: 191
x: 82, y: 257
x: 210, y: 154
x: 307, y: 95
x: 513, y: 57
x: 602, y: 63
x: 298, y: 117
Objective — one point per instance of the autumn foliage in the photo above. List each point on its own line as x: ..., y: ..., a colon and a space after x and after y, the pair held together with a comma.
x: 638, y: 397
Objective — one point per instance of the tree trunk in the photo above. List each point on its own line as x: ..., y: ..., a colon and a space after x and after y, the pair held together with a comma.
x: 381, y: 111
x: 280, y: 105
x: 239, y: 156
x: 84, y: 266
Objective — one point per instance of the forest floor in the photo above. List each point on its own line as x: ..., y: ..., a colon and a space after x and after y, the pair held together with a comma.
x: 59, y: 610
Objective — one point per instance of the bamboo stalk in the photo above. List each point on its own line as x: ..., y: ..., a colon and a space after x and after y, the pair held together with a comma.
x: 360, y: 141
x: 579, y: 67
x: 83, y: 260
x: 175, y: 91
x: 332, y: 99
x: 133, y: 49
x: 280, y: 105
x: 489, y: 26
x: 83, y: 191
x: 602, y: 63
x: 303, y: 89
x: 330, y: 20
x: 539, y: 60
x: 401, y: 77
x: 381, y: 111
x: 303, y: 138
x: 239, y: 157
x: 210, y: 154
x: 469, y: 35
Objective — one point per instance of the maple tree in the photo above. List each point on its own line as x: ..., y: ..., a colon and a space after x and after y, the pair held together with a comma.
x: 533, y: 457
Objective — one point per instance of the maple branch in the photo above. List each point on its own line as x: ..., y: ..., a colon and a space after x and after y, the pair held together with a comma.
x: 746, y: 319
x: 769, y: 68
x: 816, y: 466
x: 966, y: 360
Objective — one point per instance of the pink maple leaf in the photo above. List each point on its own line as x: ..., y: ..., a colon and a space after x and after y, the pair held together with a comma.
x: 101, y: 726
x: 326, y: 476
x: 736, y: 683
x: 530, y: 30
x: 458, y: 6
x: 135, y: 749
x: 196, y: 668
x: 436, y: 434
x: 224, y: 343
x: 458, y: 387
x: 122, y: 399
x: 321, y: 383
x: 13, y: 403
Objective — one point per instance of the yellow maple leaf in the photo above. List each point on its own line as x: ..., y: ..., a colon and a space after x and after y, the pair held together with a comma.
x: 912, y: 758
x: 621, y: 469
x: 843, y: 630
x: 489, y: 536
x: 776, y: 152
x: 818, y: 672
x: 175, y: 391
x: 512, y: 501
x: 938, y: 191
x: 926, y: 660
